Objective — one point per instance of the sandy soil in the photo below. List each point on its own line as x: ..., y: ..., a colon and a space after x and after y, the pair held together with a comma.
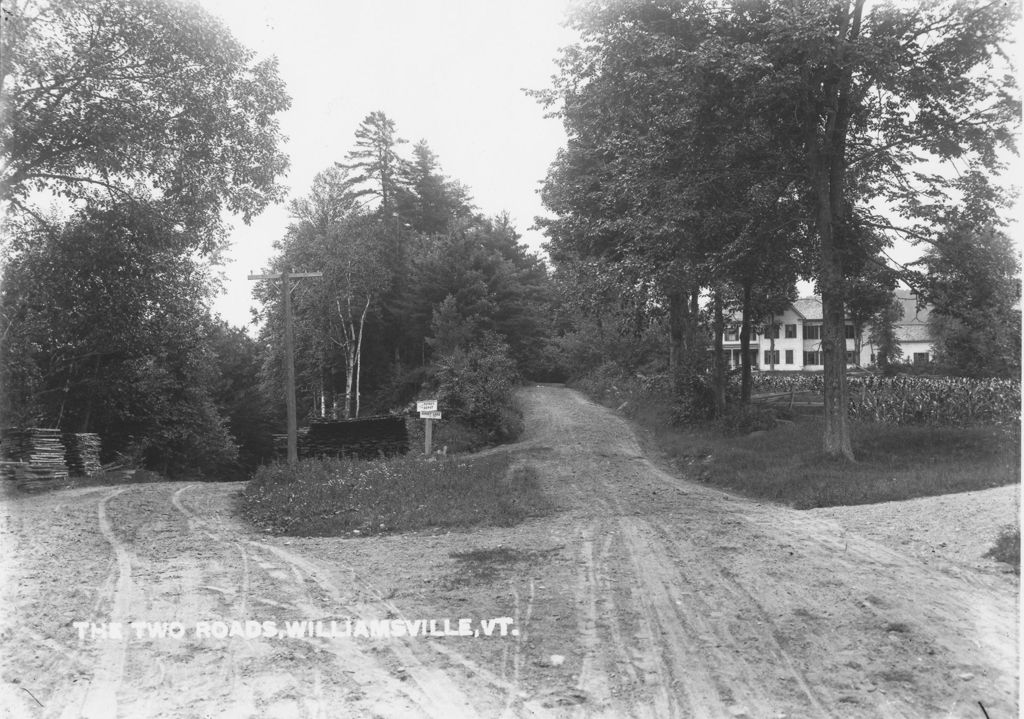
x: 953, y: 531
x: 644, y: 595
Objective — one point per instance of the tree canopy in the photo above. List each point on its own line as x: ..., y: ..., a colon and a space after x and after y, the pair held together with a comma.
x: 106, y: 329
x: 147, y: 122
x: 712, y: 141
x: 411, y: 273
x: 128, y: 101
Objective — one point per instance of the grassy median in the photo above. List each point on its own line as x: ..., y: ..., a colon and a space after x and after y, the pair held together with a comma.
x: 343, y: 497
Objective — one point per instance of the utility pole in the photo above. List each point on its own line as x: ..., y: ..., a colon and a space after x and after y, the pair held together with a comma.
x: 289, y: 355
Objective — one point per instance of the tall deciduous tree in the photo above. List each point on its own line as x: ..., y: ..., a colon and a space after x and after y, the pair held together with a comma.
x: 867, y: 96
x: 660, y: 174
x: 357, y: 276
x: 131, y: 98
x: 973, y: 285
x: 331, y: 312
x: 840, y: 104
x: 106, y: 330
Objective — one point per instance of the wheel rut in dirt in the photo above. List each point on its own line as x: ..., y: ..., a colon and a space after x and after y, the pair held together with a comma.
x: 642, y: 595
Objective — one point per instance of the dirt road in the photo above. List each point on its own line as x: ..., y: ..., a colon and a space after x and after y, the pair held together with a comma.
x: 644, y: 595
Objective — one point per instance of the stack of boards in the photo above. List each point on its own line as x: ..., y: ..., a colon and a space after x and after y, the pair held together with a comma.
x: 33, y: 456
x: 83, y: 453
x: 37, y: 455
x: 364, y: 438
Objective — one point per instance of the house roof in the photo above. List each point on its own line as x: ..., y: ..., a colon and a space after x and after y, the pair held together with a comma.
x: 912, y: 333
x: 912, y: 327
x: 809, y: 308
x: 912, y: 313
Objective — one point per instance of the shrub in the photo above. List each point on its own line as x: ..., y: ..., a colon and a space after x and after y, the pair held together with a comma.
x: 474, y: 386
x: 1007, y: 548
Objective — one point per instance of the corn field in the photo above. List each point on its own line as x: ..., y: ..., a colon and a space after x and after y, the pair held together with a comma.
x: 796, y: 382
x: 949, y: 401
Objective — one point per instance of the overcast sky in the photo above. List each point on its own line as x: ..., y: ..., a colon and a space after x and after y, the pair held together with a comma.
x: 451, y: 72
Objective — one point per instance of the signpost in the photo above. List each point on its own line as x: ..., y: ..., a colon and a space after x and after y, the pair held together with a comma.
x: 428, y: 411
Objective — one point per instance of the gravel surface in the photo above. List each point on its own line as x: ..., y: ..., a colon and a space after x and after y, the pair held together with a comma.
x: 952, y: 528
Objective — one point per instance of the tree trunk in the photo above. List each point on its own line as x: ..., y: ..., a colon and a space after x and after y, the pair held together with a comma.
x: 746, y: 380
x: 692, y: 325
x: 771, y: 342
x: 349, y: 377
x: 676, y: 310
x: 825, y: 145
x: 836, y: 440
x: 719, y: 364
x: 359, y: 351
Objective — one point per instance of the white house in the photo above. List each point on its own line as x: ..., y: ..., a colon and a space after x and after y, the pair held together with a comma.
x: 911, y: 331
x: 794, y: 341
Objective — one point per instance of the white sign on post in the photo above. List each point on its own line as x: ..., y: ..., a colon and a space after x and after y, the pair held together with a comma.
x: 428, y: 411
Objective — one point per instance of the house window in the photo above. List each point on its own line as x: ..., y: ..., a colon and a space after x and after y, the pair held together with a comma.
x: 771, y: 356
x: 851, y: 332
x: 851, y: 356
x: 732, y: 334
x: 789, y: 356
x: 771, y: 333
x: 790, y: 332
x: 813, y: 359
x: 920, y: 358
x: 812, y: 332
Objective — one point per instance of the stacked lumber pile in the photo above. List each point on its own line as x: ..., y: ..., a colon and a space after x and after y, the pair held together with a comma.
x: 281, y: 443
x: 365, y: 438
x: 36, y: 455
x: 83, y: 453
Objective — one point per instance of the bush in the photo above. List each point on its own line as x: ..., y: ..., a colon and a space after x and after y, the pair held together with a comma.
x: 475, y: 386
x: 1007, y: 548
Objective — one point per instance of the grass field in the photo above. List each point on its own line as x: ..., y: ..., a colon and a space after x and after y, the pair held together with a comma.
x: 786, y: 464
x: 349, y: 497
